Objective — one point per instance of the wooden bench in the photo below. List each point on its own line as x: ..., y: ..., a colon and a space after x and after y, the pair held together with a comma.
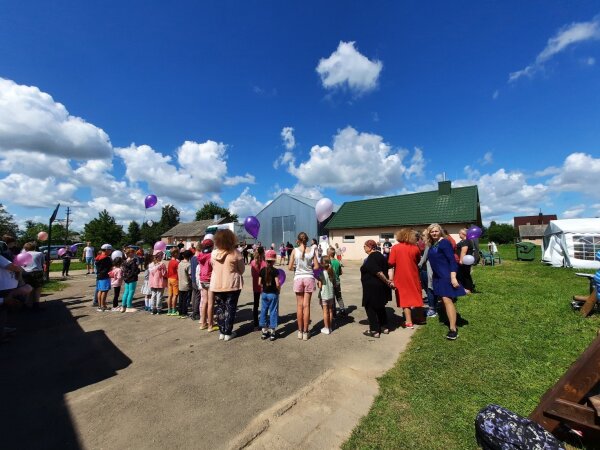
x: 574, y: 400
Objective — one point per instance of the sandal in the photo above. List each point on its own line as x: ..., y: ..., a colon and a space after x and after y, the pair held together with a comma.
x: 372, y: 334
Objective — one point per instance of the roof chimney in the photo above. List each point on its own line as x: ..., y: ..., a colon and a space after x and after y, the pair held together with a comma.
x: 444, y: 187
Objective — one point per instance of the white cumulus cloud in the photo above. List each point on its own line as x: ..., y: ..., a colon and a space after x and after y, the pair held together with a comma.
x: 289, y: 141
x: 567, y: 36
x: 245, y: 205
x: 357, y: 164
x: 579, y: 173
x: 30, y: 120
x: 43, y: 193
x: 347, y: 67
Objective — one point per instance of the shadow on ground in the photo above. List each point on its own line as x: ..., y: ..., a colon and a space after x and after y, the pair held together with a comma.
x: 50, y: 356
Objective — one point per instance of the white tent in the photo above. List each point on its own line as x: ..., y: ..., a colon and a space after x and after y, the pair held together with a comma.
x: 572, y: 243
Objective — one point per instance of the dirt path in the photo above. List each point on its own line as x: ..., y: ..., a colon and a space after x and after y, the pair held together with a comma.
x: 84, y: 379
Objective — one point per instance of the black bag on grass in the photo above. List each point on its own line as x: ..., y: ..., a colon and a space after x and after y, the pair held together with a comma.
x: 497, y: 428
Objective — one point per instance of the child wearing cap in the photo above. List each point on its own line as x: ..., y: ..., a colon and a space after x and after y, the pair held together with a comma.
x: 326, y: 294
x: 269, y: 281
x: 103, y: 267
x: 203, y: 275
x: 158, y: 281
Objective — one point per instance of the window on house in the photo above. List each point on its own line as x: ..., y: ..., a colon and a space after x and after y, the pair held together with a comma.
x: 348, y: 238
x: 383, y: 236
x: 585, y: 247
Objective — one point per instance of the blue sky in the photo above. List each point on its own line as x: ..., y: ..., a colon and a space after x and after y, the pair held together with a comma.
x: 102, y: 103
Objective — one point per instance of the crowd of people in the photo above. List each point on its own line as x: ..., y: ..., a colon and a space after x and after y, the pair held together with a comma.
x: 204, y: 282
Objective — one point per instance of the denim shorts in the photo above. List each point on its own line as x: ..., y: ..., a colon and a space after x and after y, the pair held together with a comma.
x: 302, y: 285
x: 103, y: 285
x: 89, y: 260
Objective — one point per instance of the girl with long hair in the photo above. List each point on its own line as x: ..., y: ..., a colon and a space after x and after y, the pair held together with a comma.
x: 303, y: 261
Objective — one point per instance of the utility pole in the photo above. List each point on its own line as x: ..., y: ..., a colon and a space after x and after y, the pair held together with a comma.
x: 67, y: 226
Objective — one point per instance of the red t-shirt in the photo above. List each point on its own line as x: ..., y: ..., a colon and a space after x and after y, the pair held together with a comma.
x: 172, y: 269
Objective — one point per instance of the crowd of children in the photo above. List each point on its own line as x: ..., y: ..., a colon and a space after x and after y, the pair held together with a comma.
x: 187, y: 274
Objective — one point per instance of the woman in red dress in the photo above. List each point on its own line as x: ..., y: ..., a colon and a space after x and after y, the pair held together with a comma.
x: 404, y: 259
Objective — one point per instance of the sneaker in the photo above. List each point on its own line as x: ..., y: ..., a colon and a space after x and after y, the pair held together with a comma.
x: 409, y: 325
x: 123, y: 309
x: 183, y: 316
x: 452, y: 335
x: 154, y: 312
x: 99, y: 310
x: 130, y: 310
x: 264, y: 335
x: 305, y: 336
x: 116, y: 309
x: 431, y: 313
x: 299, y: 334
x: 325, y: 330
x: 229, y: 337
x: 272, y: 336
x: 221, y: 336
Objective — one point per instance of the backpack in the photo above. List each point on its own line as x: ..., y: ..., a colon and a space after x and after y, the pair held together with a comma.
x: 497, y: 428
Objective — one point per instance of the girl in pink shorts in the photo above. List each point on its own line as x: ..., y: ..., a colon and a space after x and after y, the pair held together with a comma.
x: 303, y: 261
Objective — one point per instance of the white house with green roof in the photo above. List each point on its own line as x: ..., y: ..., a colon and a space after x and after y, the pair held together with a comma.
x: 377, y: 218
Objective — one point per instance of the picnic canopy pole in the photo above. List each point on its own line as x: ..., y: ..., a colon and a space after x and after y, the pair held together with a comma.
x: 48, y: 260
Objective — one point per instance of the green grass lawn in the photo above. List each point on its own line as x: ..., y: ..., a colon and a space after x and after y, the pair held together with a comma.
x: 54, y: 286
x: 75, y: 265
x: 520, y: 338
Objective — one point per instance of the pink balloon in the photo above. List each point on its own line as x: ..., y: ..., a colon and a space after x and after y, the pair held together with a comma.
x: 281, y: 276
x: 61, y: 251
x: 23, y: 259
x: 42, y: 236
x: 323, y: 208
x: 160, y: 246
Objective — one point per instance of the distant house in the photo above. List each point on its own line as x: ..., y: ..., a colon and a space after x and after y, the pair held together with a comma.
x: 189, y: 232
x: 285, y: 217
x: 532, y: 228
x: 379, y: 218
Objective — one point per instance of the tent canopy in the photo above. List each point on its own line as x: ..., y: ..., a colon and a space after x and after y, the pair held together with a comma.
x: 572, y: 243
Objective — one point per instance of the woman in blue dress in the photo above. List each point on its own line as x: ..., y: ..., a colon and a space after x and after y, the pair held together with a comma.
x: 444, y: 267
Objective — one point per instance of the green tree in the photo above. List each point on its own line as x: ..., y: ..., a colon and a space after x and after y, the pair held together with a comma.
x: 169, y: 218
x: 7, y: 223
x: 150, y: 233
x: 210, y: 209
x: 103, y: 230
x: 502, y: 233
x: 134, y: 233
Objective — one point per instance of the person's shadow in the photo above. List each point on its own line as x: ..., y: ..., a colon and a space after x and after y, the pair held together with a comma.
x: 50, y: 356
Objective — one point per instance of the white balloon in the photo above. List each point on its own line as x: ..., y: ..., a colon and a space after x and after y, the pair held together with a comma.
x: 149, y: 223
x: 210, y: 236
x: 116, y: 254
x: 468, y: 260
x: 323, y: 208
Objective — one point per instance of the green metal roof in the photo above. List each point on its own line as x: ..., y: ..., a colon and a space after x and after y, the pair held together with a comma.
x: 461, y: 205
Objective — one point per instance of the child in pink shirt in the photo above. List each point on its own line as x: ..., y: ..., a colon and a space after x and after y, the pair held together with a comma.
x: 116, y: 281
x: 158, y: 281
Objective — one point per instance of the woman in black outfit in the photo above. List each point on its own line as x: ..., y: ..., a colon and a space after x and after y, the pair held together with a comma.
x: 66, y: 260
x: 377, y: 289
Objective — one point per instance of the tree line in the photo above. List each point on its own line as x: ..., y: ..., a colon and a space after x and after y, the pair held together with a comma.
x: 105, y: 229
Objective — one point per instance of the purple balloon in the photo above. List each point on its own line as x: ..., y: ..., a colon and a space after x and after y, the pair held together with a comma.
x: 23, y: 259
x: 73, y: 248
x: 281, y: 276
x: 474, y: 232
x: 317, y: 273
x: 252, y: 225
x: 150, y: 201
